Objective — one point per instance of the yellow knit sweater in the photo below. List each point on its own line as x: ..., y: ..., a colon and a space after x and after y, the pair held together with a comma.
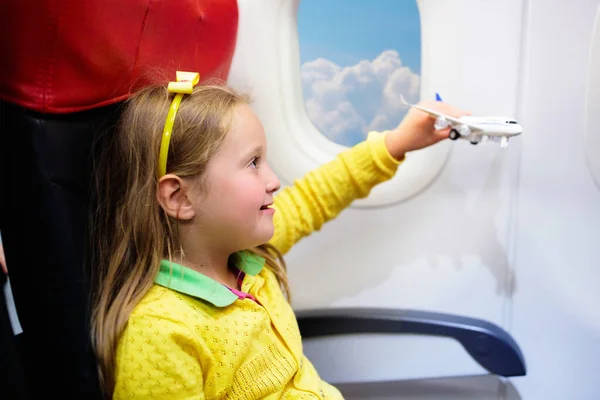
x: 196, y: 340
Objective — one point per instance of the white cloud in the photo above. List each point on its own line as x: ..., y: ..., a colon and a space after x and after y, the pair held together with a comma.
x: 346, y: 103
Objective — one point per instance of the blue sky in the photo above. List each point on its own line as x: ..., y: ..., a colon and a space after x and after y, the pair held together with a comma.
x: 345, y: 100
x: 347, y: 31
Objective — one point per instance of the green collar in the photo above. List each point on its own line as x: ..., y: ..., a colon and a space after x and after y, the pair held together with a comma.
x: 185, y: 280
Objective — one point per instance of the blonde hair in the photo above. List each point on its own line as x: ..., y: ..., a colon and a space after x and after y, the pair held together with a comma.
x: 131, y: 232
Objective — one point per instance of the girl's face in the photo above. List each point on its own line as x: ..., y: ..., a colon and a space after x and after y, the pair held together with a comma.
x: 233, y: 204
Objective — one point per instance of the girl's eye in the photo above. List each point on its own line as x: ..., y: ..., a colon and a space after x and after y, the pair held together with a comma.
x: 254, y: 163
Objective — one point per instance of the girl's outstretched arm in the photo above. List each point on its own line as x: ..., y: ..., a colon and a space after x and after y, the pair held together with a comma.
x: 323, y: 193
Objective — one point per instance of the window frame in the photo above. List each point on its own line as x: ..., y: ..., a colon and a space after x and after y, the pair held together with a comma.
x: 268, y: 53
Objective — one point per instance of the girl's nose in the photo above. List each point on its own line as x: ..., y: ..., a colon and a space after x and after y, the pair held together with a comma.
x: 273, y: 183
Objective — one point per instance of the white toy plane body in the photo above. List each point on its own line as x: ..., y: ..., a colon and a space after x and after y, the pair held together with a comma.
x: 475, y: 129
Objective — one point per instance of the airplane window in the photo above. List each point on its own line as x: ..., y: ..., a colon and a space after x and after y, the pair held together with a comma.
x: 357, y: 58
x: 321, y: 74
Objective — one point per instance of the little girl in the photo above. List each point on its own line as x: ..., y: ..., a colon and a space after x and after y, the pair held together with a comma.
x: 193, y: 300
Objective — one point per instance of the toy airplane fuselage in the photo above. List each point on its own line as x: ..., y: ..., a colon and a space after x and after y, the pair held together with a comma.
x: 474, y: 129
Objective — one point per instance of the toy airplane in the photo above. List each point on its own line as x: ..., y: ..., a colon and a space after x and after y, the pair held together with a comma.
x: 474, y: 129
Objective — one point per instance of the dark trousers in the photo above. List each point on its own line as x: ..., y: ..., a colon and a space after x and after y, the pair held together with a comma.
x: 45, y: 192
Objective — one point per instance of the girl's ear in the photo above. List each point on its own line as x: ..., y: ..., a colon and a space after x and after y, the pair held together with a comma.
x: 172, y: 196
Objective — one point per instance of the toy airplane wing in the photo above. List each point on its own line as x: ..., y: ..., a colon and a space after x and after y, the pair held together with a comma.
x: 452, y: 120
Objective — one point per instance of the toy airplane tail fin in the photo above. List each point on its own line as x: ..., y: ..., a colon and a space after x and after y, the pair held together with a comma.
x: 437, y: 98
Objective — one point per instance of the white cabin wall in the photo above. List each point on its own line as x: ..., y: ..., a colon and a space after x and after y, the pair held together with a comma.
x: 555, y: 312
x: 511, y: 236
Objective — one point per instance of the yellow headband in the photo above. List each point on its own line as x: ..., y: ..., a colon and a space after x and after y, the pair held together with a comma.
x: 184, y: 85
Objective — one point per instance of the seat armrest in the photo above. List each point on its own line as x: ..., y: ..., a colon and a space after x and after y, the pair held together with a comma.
x: 490, y: 345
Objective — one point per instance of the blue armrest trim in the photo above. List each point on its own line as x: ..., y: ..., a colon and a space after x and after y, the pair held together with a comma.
x: 490, y: 345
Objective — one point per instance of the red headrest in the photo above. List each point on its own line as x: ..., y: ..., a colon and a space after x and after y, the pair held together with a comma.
x: 73, y: 55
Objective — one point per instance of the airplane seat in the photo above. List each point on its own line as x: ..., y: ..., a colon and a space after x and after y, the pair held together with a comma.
x: 61, y: 89
x: 51, y: 195
x: 488, y: 344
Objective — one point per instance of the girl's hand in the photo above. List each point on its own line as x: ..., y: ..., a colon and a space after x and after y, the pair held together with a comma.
x: 3, y: 260
x: 416, y: 131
